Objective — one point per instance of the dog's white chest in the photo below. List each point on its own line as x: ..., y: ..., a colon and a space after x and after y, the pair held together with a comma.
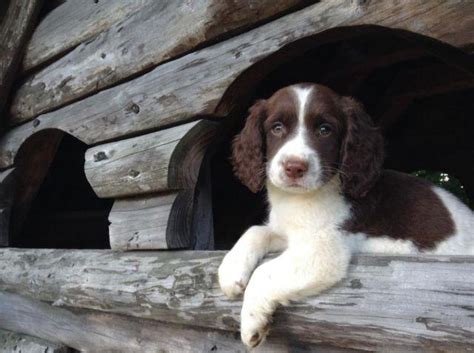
x: 298, y: 215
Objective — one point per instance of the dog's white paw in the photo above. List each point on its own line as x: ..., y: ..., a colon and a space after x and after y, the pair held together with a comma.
x: 233, y: 276
x: 255, y: 325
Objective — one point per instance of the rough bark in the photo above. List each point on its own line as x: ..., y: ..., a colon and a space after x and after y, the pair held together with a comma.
x: 422, y: 302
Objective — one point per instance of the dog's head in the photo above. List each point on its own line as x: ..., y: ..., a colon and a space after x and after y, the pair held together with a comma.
x: 304, y: 135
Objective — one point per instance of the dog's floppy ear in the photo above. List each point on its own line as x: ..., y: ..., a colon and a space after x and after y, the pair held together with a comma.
x: 248, y: 149
x: 362, y: 151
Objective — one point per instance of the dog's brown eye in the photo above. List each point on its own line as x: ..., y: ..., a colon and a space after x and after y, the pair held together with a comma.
x: 278, y: 129
x: 324, y: 130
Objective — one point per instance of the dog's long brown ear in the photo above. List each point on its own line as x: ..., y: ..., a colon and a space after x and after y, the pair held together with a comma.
x: 248, y: 149
x: 362, y: 151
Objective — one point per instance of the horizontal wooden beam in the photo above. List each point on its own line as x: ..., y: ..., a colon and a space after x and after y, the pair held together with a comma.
x: 131, y: 46
x: 164, y: 160
x: 156, y: 221
x: 13, y: 342
x: 422, y: 302
x: 195, y: 84
x: 94, y: 331
x: 72, y: 23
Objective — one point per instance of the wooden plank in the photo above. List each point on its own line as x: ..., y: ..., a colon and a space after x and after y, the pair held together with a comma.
x: 92, y: 331
x: 164, y: 160
x: 16, y: 23
x: 12, y: 342
x: 72, y: 23
x: 422, y: 302
x: 174, y: 220
x: 194, y: 85
x: 141, y: 222
x: 7, y: 194
x: 132, y: 46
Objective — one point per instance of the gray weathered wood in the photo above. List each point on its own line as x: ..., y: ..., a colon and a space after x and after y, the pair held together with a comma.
x: 92, y: 331
x: 195, y: 84
x: 7, y: 194
x: 140, y: 222
x: 155, y: 32
x: 16, y: 22
x: 72, y: 23
x: 424, y: 302
x: 164, y: 160
x: 11, y: 342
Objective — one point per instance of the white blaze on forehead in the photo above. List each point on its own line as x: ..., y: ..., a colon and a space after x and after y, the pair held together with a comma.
x: 298, y: 147
x: 302, y: 96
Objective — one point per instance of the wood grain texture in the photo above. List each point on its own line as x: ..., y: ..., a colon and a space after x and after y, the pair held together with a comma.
x: 11, y: 342
x: 164, y: 160
x: 72, y: 23
x: 16, y: 24
x: 198, y: 83
x: 94, y: 331
x: 140, y: 222
x: 422, y: 302
x: 150, y: 33
x: 7, y: 194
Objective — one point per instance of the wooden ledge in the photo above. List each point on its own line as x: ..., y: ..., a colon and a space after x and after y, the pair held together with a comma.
x: 411, y: 301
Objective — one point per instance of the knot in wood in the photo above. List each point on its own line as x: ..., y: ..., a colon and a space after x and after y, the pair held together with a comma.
x: 134, y: 108
x: 134, y: 173
x: 100, y: 156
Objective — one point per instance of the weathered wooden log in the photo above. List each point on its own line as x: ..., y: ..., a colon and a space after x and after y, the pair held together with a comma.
x: 16, y: 23
x: 164, y: 160
x: 131, y: 46
x: 7, y: 194
x: 422, y: 302
x: 12, y: 342
x: 157, y: 221
x: 92, y: 331
x: 195, y: 84
x: 72, y: 23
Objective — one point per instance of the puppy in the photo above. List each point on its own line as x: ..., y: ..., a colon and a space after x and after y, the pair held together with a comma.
x: 321, y: 157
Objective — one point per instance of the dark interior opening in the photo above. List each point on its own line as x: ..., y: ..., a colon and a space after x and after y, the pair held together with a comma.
x: 423, y: 103
x: 64, y: 212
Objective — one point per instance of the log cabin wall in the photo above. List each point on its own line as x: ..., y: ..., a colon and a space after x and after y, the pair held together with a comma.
x: 144, y: 105
x: 123, y: 69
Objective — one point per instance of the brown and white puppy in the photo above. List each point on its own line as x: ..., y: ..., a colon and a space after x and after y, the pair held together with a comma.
x: 321, y: 160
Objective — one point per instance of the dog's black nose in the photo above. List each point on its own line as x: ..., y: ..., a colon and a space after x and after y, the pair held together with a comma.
x: 295, y: 168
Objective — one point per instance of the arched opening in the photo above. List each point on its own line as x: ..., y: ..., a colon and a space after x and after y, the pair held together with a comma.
x: 55, y: 207
x: 417, y: 90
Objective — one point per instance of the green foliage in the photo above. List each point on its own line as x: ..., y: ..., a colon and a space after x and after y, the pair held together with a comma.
x: 445, y: 181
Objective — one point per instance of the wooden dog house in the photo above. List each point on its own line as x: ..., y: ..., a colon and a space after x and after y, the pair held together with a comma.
x: 117, y: 121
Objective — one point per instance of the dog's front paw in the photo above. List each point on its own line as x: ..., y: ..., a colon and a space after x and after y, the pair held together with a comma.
x: 233, y: 276
x: 255, y: 325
